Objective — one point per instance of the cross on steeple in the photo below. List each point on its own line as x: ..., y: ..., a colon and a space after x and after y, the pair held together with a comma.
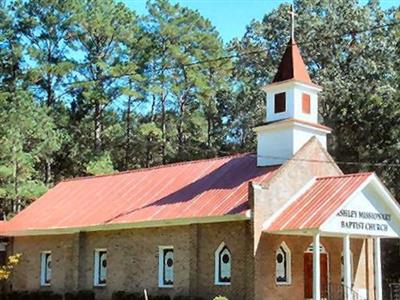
x: 293, y: 14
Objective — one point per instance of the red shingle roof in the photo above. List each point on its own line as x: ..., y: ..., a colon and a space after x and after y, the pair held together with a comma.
x: 311, y: 209
x: 292, y: 65
x: 214, y: 187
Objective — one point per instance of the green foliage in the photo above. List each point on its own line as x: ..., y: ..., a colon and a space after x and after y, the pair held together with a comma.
x: 80, y: 295
x: 121, y: 295
x: 160, y: 297
x: 188, y: 298
x: 28, y: 138
x: 88, y: 87
x: 34, y: 295
x: 100, y: 165
x: 220, y: 298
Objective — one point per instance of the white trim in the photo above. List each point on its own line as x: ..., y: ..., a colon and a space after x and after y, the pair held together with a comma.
x: 129, y: 225
x: 288, y: 265
x: 291, y: 123
x: 217, y: 265
x: 351, y: 264
x: 288, y: 83
x: 378, y: 269
x: 161, y: 266
x: 43, y: 268
x: 292, y: 199
x: 391, y: 201
x: 96, y: 271
x: 316, y: 268
x: 347, y: 269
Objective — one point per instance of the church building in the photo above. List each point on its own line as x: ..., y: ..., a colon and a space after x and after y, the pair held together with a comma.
x: 282, y: 223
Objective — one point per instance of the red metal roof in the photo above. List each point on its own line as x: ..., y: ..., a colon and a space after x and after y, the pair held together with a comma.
x: 292, y: 65
x: 311, y: 209
x: 197, y: 189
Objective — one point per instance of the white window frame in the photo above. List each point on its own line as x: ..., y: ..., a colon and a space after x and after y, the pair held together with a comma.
x: 217, y: 265
x: 43, y: 268
x: 161, y: 266
x: 96, y: 270
x: 288, y: 266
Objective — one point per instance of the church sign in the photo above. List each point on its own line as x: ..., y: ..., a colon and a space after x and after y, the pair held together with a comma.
x: 365, y: 213
x: 363, y: 220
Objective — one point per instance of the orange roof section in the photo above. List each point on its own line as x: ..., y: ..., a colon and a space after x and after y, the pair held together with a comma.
x: 311, y: 209
x: 292, y: 65
x: 197, y: 189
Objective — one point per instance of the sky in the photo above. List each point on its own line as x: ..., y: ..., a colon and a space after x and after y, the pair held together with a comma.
x: 230, y: 17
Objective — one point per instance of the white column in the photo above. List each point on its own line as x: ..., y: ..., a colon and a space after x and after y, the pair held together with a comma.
x: 347, y: 268
x: 316, y: 269
x: 378, y: 269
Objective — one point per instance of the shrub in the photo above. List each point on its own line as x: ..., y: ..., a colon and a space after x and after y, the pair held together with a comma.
x: 18, y: 295
x: 121, y: 295
x: 183, y: 298
x: 160, y: 297
x: 48, y: 295
x: 188, y: 298
x: 80, y: 295
x: 33, y: 295
x: 220, y: 298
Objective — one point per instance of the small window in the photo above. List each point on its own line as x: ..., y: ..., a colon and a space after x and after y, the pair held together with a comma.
x: 166, y: 266
x: 282, y: 265
x: 45, y: 268
x: 223, y: 265
x: 100, y: 267
x: 306, y: 103
x: 280, y: 102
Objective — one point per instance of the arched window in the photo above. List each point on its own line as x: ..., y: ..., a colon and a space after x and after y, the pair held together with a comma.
x: 223, y: 265
x: 283, y: 265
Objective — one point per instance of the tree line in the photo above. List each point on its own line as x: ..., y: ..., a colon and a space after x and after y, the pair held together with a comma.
x: 91, y: 87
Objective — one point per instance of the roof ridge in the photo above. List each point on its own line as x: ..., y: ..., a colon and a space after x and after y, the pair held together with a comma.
x: 345, y: 175
x: 157, y: 167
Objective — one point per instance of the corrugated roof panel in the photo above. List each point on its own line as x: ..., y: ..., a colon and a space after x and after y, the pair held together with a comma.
x: 311, y: 209
x: 213, y: 187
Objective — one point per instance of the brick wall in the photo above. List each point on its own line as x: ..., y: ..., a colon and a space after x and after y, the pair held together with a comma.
x: 133, y: 260
x: 266, y: 288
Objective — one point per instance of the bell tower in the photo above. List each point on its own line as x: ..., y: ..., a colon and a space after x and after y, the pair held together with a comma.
x: 291, y: 111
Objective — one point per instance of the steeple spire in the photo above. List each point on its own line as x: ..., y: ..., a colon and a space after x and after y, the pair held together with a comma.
x: 292, y: 65
x: 292, y: 14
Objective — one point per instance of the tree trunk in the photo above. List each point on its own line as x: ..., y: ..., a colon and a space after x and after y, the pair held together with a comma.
x: 180, y: 126
x: 49, y: 90
x: 47, y: 172
x: 163, y: 128
x: 15, y: 202
x: 128, y: 134
x: 97, y: 127
x: 209, y: 130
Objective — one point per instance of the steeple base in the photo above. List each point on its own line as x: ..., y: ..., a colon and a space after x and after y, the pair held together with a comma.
x: 277, y: 142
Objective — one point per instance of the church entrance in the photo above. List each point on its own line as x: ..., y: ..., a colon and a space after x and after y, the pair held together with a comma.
x: 308, y: 273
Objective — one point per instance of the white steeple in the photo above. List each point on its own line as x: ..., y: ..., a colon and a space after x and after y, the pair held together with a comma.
x: 291, y: 111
